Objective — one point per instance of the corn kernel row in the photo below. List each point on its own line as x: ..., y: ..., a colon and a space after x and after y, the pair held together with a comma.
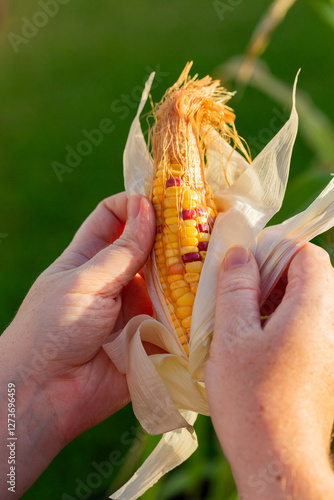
x: 184, y: 226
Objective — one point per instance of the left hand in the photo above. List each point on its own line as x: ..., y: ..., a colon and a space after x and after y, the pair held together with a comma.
x: 53, y: 346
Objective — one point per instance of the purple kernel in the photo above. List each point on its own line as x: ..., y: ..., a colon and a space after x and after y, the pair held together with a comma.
x: 189, y: 213
x: 159, y: 229
x: 203, y: 246
x: 204, y: 228
x: 211, y: 221
x: 191, y: 257
x: 173, y: 181
x: 201, y: 211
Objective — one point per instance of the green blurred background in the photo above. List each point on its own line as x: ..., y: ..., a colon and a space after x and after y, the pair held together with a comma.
x: 81, y: 67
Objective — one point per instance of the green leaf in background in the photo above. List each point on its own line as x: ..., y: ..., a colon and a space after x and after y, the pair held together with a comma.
x: 325, y: 10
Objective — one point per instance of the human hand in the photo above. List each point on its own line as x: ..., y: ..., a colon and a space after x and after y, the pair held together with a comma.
x: 54, y: 342
x: 271, y: 387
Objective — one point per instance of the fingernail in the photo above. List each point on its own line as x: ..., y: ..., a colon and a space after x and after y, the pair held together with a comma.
x: 236, y: 256
x: 133, y: 205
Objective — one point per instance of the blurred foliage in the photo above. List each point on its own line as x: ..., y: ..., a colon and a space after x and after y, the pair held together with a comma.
x: 85, y: 65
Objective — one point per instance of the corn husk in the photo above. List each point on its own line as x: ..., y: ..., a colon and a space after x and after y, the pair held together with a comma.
x: 168, y: 390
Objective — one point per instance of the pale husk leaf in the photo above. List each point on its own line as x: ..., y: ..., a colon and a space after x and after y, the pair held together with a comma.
x: 152, y: 404
x: 224, y: 163
x: 173, y: 449
x: 184, y: 391
x: 247, y: 207
x: 137, y: 162
x: 276, y: 245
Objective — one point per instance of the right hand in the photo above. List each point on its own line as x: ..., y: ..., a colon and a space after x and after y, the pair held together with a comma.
x: 271, y: 388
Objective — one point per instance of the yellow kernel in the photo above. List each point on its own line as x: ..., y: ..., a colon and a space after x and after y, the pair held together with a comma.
x: 163, y: 271
x: 191, y: 277
x: 183, y: 339
x: 202, y: 220
x: 187, y: 300
x: 190, y: 194
x: 172, y: 191
x: 183, y: 312
x: 172, y: 253
x: 172, y: 220
x: 160, y: 259
x: 193, y: 288
x: 180, y: 332
x: 174, y: 228
x: 190, y: 222
x: 160, y: 167
x: 164, y: 286
x: 175, y: 294
x: 203, y: 236
x: 211, y: 212
x: 170, y: 212
x: 174, y: 277
x: 157, y: 200
x: 176, y: 269
x: 188, y: 232
x: 189, y: 242
x: 172, y: 260
x: 176, y: 323
x: 185, y: 250
x: 158, y: 251
x: 175, y: 169
x: 203, y: 254
x: 194, y: 267
x: 158, y: 181
x: 186, y: 323
x: 172, y: 245
x: 158, y: 244
x: 157, y: 190
x: 170, y: 238
x: 189, y: 203
x: 158, y: 213
x: 170, y: 308
x: 170, y: 202
x: 160, y: 170
x: 178, y: 284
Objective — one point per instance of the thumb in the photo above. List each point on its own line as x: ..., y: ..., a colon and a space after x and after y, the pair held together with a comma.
x: 237, y: 308
x: 116, y: 265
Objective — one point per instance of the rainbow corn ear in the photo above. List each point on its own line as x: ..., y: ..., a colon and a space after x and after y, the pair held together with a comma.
x: 181, y: 196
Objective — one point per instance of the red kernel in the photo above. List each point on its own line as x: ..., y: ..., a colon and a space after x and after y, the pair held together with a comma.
x: 188, y: 214
x: 191, y: 257
x: 203, y: 246
x: 173, y: 181
x: 203, y: 228
x: 201, y: 211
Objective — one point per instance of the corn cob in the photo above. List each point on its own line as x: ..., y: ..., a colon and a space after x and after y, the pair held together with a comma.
x: 182, y: 199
